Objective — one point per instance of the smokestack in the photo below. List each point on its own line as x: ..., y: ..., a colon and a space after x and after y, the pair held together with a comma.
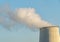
x: 49, y: 34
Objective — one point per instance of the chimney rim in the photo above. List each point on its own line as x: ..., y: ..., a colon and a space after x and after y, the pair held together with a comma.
x: 48, y: 27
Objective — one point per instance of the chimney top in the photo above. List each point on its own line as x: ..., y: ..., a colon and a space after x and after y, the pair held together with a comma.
x: 48, y: 27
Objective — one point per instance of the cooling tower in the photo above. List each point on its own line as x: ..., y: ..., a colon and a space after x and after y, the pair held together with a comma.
x: 49, y: 34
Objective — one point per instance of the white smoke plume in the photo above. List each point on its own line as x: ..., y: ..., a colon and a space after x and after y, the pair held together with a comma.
x: 27, y: 16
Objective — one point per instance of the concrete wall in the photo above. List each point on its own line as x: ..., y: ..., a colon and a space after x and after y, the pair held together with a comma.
x: 49, y: 34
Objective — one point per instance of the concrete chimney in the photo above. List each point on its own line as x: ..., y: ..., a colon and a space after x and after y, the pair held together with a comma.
x: 49, y: 34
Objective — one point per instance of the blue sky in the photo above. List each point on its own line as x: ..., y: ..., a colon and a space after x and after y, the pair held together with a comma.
x: 49, y: 10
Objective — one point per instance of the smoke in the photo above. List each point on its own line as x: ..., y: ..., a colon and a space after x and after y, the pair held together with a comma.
x: 5, y: 20
x: 28, y: 17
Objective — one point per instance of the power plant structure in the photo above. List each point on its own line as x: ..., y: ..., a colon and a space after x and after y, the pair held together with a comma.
x: 49, y: 34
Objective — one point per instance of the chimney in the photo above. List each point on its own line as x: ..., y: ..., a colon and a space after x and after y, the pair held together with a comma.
x: 49, y: 34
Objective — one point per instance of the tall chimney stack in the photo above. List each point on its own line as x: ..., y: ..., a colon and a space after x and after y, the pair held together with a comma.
x: 49, y: 34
